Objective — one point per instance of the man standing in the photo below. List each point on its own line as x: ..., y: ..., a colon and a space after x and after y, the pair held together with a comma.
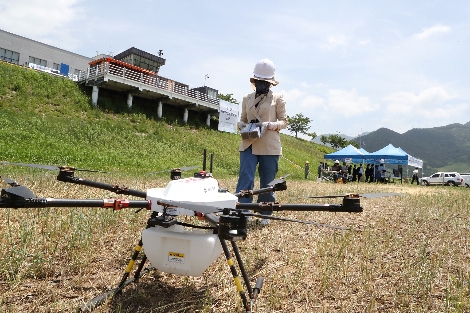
x: 320, y: 168
x: 415, y: 176
x: 307, y: 169
x: 354, y: 173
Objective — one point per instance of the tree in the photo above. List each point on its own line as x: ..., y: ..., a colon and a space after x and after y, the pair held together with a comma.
x: 228, y: 97
x: 353, y: 143
x: 324, y: 139
x: 336, y: 141
x: 298, y: 124
x: 313, y: 135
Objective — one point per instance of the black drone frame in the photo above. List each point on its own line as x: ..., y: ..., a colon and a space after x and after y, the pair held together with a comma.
x: 229, y: 224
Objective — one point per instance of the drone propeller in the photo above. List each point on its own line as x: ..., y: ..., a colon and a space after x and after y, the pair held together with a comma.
x: 270, y: 217
x: 51, y: 167
x: 280, y: 180
x: 184, y: 168
x: 11, y: 182
x: 363, y: 195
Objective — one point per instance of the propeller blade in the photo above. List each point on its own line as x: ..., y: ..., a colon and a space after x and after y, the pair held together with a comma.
x: 46, y: 167
x: 84, y: 170
x: 363, y: 195
x: 379, y: 195
x: 184, y: 168
x: 270, y: 217
x: 51, y: 167
x: 19, y: 191
x: 10, y: 182
x: 187, y: 168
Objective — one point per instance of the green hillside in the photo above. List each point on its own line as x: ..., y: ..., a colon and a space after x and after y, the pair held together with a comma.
x: 50, y: 120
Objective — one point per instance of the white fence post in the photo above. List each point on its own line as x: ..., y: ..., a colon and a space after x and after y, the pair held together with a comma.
x: 94, y: 95
x: 160, y: 109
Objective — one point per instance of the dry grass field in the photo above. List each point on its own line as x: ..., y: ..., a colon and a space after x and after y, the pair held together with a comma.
x: 402, y: 254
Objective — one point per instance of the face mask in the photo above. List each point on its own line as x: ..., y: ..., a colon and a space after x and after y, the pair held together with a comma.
x: 262, y: 87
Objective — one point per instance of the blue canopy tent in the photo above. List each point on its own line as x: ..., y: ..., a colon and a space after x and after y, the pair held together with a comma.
x: 363, y: 151
x: 393, y: 155
x: 412, y: 161
x: 389, y: 155
x: 347, y: 154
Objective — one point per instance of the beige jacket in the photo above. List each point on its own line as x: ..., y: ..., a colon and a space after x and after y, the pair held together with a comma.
x: 271, y: 109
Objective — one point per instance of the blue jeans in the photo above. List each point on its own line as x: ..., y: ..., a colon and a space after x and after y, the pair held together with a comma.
x: 267, y: 170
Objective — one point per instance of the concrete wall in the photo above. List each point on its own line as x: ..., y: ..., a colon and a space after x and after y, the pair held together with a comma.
x: 27, y: 47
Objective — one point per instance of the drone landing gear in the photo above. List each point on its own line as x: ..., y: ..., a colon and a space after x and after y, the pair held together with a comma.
x: 232, y: 227
x: 139, y: 273
x: 253, y: 292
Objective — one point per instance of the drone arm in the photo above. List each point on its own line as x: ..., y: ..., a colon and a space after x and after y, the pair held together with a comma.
x: 251, y: 193
x: 116, y: 204
x: 275, y: 185
x: 212, y: 219
x: 68, y: 177
x: 269, y: 206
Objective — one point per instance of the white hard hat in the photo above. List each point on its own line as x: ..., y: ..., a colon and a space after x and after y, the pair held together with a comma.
x: 336, y: 161
x: 264, y: 70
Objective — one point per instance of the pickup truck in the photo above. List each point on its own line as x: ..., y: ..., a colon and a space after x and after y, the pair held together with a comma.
x: 466, y: 179
x: 443, y: 178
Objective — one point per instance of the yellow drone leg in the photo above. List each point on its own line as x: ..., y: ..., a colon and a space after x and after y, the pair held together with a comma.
x: 130, y: 265
x: 236, y: 278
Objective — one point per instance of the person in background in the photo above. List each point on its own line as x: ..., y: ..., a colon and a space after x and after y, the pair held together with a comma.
x: 360, y: 171
x: 381, y: 173
x: 373, y: 173
x: 337, y: 169
x: 268, y: 109
x: 344, y: 172
x: 307, y: 169
x: 415, y: 176
x: 367, y: 173
x: 354, y: 173
x: 320, y: 168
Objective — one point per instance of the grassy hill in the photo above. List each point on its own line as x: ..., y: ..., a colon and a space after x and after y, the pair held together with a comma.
x: 445, y: 148
x: 50, y: 120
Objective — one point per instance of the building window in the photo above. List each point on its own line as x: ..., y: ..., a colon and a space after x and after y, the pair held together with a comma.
x: 76, y: 72
x: 9, y: 56
x: 56, y: 66
x: 211, y: 93
x: 37, y: 61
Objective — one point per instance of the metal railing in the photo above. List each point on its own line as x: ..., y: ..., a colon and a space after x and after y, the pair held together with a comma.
x: 152, y: 80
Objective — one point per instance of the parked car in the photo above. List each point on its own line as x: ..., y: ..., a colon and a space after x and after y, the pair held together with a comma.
x: 443, y: 178
x: 466, y: 179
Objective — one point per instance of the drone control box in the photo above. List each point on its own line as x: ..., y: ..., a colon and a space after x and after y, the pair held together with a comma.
x: 189, y: 195
x: 250, y: 131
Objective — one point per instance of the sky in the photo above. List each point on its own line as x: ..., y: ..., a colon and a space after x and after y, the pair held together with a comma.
x: 350, y: 66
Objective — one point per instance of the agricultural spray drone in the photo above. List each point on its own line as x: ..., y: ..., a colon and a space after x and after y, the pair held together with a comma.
x: 167, y: 243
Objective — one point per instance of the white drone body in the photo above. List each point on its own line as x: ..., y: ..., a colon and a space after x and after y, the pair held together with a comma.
x: 191, y: 195
x: 174, y: 249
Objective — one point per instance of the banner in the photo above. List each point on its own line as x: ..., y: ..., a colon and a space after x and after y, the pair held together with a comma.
x: 228, y: 116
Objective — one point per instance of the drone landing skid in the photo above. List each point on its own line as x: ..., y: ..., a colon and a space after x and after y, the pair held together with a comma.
x: 169, y: 250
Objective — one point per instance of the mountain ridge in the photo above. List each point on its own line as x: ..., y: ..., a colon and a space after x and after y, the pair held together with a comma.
x: 441, y: 148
